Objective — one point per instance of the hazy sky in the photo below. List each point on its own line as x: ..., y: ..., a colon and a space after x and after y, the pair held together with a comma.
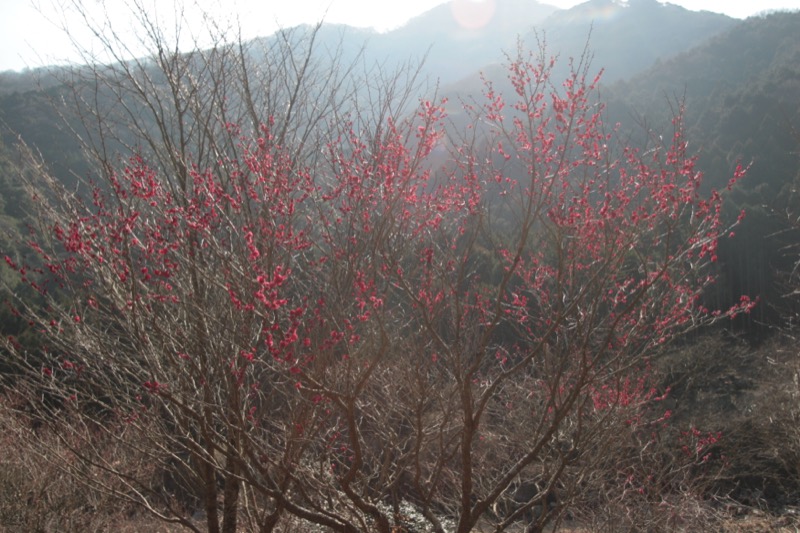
x: 30, y: 34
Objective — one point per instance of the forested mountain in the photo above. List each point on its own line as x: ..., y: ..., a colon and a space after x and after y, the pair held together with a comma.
x: 742, y: 97
x: 623, y: 38
x: 740, y: 80
x: 457, y: 39
x: 628, y: 37
x: 454, y: 41
x: 741, y: 89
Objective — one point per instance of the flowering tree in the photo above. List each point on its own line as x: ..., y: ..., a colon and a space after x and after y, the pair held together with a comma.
x: 396, y: 315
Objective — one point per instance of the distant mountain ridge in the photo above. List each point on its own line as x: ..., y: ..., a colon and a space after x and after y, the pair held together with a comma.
x: 624, y: 37
x: 741, y: 92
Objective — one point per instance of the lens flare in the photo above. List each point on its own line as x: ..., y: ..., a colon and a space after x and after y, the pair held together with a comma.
x: 473, y: 14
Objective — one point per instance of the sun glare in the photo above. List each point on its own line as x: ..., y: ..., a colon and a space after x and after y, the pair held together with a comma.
x: 473, y: 14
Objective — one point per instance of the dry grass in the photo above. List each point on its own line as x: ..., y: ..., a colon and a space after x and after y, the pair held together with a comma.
x: 42, y: 491
x: 754, y: 392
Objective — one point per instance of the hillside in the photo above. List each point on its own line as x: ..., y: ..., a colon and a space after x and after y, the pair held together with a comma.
x: 626, y: 38
x: 740, y: 81
x: 622, y: 39
x: 742, y: 97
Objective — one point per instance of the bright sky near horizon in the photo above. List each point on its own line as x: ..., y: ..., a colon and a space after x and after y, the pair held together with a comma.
x: 29, y: 38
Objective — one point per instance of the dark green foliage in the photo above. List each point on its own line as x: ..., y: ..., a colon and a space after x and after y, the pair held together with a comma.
x: 742, y: 88
x: 32, y: 117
